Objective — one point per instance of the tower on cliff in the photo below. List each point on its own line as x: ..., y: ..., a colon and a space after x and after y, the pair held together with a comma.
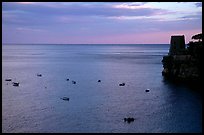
x: 177, y: 45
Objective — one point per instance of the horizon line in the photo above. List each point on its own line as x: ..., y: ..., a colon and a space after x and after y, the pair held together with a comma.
x: 80, y: 43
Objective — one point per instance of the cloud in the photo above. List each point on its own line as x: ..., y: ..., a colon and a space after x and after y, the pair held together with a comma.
x: 26, y: 3
x: 79, y: 9
x: 39, y: 12
x: 198, y: 4
x: 43, y: 13
x: 29, y: 29
x: 90, y: 19
x: 131, y: 6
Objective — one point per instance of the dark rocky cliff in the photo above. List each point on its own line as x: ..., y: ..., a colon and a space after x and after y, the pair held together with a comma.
x: 185, y: 64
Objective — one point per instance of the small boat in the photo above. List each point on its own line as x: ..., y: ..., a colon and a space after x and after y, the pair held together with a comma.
x: 65, y: 98
x: 99, y: 80
x: 147, y: 90
x: 39, y: 75
x: 15, y: 83
x: 122, y: 84
x: 129, y: 119
x: 74, y: 82
x: 9, y: 79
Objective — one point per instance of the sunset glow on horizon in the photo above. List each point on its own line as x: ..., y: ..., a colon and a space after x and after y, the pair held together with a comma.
x: 99, y: 22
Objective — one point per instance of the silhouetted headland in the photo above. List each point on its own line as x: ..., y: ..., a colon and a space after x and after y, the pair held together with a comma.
x: 184, y: 64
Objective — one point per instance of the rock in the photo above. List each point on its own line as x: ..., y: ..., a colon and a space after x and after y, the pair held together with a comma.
x: 9, y: 79
x: 65, y: 98
x: 122, y: 84
x: 165, y: 72
x: 67, y: 79
x: 184, y: 64
x: 15, y: 83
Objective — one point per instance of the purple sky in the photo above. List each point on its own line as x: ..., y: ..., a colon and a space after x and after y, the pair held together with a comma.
x: 99, y: 22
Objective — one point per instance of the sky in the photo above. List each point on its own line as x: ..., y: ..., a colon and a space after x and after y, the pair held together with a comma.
x: 99, y: 22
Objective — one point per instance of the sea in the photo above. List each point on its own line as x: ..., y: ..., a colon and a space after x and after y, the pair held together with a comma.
x: 37, y: 105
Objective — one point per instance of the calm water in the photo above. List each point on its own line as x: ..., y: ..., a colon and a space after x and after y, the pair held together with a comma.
x: 35, y: 106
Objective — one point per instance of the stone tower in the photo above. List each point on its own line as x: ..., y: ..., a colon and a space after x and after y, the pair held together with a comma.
x: 177, y: 45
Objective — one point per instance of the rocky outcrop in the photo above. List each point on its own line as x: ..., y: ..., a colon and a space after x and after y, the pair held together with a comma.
x: 186, y: 66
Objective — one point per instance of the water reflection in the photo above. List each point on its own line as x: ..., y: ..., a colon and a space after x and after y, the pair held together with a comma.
x: 185, y: 102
